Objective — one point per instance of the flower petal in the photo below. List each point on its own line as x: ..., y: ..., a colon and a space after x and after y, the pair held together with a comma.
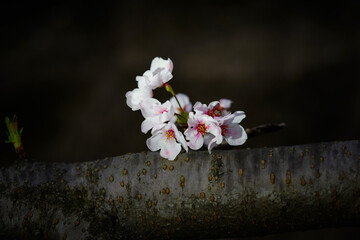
x: 238, y: 116
x: 158, y: 62
x: 207, y: 138
x: 164, y: 77
x: 225, y: 103
x: 180, y: 138
x: 236, y: 135
x: 154, y: 142
x: 214, y: 129
x: 135, y: 97
x: 167, y: 111
x: 214, y: 142
x: 150, y: 107
x: 196, y: 141
x: 170, y: 150
x: 213, y: 104
x: 192, y: 120
x: 157, y: 128
x: 200, y: 108
x: 148, y: 124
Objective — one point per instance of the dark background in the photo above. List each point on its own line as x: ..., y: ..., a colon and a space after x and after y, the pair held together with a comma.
x: 65, y: 68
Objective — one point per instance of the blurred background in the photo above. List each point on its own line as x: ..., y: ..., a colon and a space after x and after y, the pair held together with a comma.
x: 66, y: 66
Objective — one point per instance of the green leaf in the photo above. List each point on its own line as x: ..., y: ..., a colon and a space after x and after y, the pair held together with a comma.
x: 14, y: 136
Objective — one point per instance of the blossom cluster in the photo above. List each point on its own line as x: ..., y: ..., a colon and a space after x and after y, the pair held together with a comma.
x: 176, y: 123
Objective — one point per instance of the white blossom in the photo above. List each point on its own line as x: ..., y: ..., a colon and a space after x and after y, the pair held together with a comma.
x: 136, y: 96
x: 155, y: 113
x: 168, y: 140
x: 158, y: 75
x: 233, y: 133
x: 200, y: 127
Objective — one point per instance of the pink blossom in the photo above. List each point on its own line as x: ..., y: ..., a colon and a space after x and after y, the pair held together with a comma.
x: 215, y: 109
x: 225, y: 103
x: 155, y: 113
x: 209, y: 125
x: 159, y: 64
x: 136, y: 96
x: 200, y: 127
x: 232, y: 132
x: 159, y: 73
x: 168, y: 140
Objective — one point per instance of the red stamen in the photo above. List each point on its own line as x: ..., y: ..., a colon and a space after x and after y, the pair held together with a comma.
x: 170, y: 134
x: 162, y: 111
x: 215, y: 112
x: 201, y: 128
x: 224, y: 130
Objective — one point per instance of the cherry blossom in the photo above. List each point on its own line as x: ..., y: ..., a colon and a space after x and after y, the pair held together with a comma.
x: 200, y: 108
x: 233, y: 133
x: 211, y: 110
x: 152, y: 80
x: 159, y: 64
x: 209, y: 125
x: 199, y: 127
x: 158, y: 75
x: 168, y: 140
x: 215, y: 109
x: 224, y: 105
x: 155, y: 113
x: 136, y: 96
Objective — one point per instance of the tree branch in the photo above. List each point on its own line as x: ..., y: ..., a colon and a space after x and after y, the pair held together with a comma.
x: 142, y: 196
x: 264, y: 128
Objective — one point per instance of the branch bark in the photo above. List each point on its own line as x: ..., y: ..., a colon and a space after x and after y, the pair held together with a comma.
x: 230, y: 193
x: 264, y: 128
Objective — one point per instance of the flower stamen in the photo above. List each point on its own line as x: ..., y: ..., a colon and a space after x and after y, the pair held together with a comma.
x: 169, y: 134
x: 224, y: 130
x: 215, y: 112
x: 201, y: 128
x: 163, y: 110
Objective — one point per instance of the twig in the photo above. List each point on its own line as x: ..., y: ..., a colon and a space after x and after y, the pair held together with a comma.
x: 264, y: 128
x: 253, y: 132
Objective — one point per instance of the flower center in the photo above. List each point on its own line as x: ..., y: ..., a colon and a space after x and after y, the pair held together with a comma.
x: 215, y: 112
x: 224, y: 130
x: 201, y: 128
x: 163, y: 110
x: 169, y: 134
